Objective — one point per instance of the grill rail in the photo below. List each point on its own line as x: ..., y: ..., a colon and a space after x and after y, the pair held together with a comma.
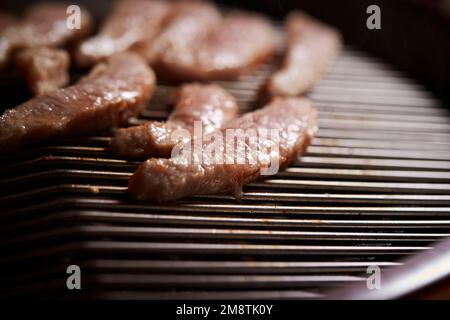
x: 373, y: 188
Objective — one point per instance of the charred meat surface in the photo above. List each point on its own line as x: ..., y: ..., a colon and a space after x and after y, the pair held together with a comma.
x: 163, y: 180
x: 45, y: 69
x: 223, y: 50
x: 111, y: 93
x: 209, y: 104
x: 42, y: 25
x: 312, y: 47
x: 130, y: 25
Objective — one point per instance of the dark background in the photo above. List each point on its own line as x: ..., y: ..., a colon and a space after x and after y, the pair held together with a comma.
x: 415, y: 34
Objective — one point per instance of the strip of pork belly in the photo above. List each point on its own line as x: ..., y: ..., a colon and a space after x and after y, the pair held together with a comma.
x: 45, y: 69
x: 110, y: 94
x: 131, y: 24
x: 164, y: 180
x: 312, y: 47
x: 238, y: 44
x: 42, y: 25
x: 209, y: 105
x: 189, y: 24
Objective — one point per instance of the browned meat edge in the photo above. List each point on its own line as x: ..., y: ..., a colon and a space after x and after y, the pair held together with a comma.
x: 211, y: 105
x: 111, y: 93
x: 131, y: 25
x: 164, y: 180
x: 42, y: 25
x: 189, y: 22
x: 227, y: 50
x: 45, y: 69
x: 312, y: 47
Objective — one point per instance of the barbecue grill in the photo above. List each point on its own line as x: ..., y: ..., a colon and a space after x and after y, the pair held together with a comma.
x: 373, y: 189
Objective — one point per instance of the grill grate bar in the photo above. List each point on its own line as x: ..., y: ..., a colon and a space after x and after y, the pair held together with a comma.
x: 223, y: 234
x: 233, y: 221
x: 106, y: 190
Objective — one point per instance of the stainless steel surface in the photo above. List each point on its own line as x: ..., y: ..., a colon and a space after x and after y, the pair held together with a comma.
x: 373, y: 189
x: 417, y: 273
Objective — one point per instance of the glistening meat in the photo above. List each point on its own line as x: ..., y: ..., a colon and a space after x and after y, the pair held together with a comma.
x: 209, y: 105
x: 45, y: 69
x: 312, y: 47
x: 130, y: 26
x: 111, y: 93
x: 42, y: 25
x: 236, y: 45
x: 168, y: 179
x: 189, y: 23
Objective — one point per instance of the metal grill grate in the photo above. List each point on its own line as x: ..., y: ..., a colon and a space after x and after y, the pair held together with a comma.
x: 373, y: 188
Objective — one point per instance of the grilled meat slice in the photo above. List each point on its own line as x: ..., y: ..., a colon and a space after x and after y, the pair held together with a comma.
x: 239, y: 43
x: 219, y: 171
x: 242, y: 42
x: 42, y: 25
x: 6, y: 19
x: 210, y: 104
x: 111, y: 93
x: 130, y: 26
x: 190, y: 22
x: 45, y: 69
x: 312, y: 46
